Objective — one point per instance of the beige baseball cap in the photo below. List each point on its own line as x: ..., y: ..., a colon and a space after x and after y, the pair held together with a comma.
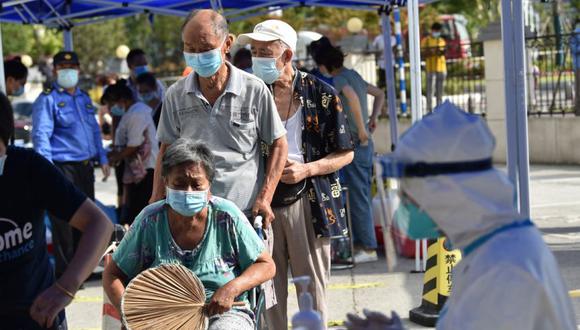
x: 271, y: 30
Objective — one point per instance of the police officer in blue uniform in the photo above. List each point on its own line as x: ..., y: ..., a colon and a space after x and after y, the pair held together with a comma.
x: 65, y: 131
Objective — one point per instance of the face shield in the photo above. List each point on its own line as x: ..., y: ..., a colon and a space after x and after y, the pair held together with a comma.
x: 407, y: 214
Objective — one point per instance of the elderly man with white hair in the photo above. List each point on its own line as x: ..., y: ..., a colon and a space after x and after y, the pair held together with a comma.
x: 308, y: 202
x: 230, y: 111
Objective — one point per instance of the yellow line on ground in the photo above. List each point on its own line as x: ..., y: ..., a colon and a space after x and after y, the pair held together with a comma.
x: 337, y: 286
x: 335, y: 323
x: 574, y: 293
x: 347, y: 286
x: 86, y: 299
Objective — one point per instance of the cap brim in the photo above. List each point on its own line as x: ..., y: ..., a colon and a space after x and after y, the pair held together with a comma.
x: 247, y: 38
x: 67, y: 62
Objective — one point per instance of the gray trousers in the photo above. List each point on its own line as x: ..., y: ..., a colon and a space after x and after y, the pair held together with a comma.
x: 230, y: 320
x: 296, y: 245
x: 437, y: 78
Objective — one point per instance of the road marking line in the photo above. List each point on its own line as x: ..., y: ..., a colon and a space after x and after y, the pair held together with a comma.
x: 574, y: 293
x: 555, y: 204
x: 338, y: 286
x: 86, y: 299
x: 335, y: 323
x: 347, y: 286
x: 344, y: 286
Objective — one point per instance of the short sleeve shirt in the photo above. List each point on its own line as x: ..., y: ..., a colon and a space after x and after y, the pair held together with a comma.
x: 29, y: 186
x: 228, y: 247
x: 325, y: 131
x: 349, y: 77
x: 232, y: 128
x: 135, y: 126
x: 435, y: 63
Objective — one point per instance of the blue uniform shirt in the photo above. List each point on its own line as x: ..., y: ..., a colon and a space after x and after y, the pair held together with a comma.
x: 64, y: 127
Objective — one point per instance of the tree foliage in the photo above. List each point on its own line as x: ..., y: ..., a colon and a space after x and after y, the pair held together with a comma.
x: 35, y: 41
x: 160, y: 36
x: 95, y: 43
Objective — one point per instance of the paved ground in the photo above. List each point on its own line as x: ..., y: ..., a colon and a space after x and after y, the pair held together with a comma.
x: 555, y: 208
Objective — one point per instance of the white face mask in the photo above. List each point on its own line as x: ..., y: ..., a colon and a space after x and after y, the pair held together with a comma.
x: 2, y: 162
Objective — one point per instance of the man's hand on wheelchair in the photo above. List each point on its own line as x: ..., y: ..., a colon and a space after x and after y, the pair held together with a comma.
x: 262, y: 207
x: 373, y: 321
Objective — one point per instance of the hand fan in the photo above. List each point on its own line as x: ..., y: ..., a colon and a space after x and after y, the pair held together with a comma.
x: 166, y: 297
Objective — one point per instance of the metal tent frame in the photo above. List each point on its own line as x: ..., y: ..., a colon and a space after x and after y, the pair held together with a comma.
x: 65, y: 14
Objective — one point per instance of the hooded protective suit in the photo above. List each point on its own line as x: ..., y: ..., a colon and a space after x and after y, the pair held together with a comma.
x: 507, y: 278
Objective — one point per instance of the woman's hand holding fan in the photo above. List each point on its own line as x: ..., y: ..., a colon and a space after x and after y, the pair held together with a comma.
x: 223, y: 299
x: 171, y: 297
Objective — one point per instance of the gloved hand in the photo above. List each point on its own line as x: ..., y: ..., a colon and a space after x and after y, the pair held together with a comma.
x: 373, y: 321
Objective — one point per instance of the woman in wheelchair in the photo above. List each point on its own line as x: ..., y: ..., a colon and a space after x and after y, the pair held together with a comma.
x: 205, y: 233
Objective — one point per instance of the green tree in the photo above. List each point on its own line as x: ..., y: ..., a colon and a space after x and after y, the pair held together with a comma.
x: 34, y: 40
x: 96, y: 43
x: 159, y: 37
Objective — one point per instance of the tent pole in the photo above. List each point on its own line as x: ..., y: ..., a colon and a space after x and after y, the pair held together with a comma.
x: 415, y: 59
x: 516, y: 102
x: 2, y: 75
x: 67, y: 34
x: 506, y: 28
x: 400, y: 59
x: 68, y: 40
x: 519, y: 47
x: 390, y: 78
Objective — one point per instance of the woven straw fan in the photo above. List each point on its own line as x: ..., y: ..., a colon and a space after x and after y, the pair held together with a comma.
x: 166, y: 297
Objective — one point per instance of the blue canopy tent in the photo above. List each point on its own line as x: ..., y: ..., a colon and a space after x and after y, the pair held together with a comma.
x: 66, y: 14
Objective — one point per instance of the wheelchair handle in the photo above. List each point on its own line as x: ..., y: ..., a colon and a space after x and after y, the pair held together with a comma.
x: 258, y: 225
x: 258, y: 222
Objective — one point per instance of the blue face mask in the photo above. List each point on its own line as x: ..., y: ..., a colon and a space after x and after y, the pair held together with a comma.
x: 265, y: 69
x: 19, y: 91
x: 436, y: 34
x: 187, y: 203
x: 139, y: 70
x: 67, y: 78
x: 416, y: 223
x: 205, y: 64
x: 117, y: 110
x: 148, y: 97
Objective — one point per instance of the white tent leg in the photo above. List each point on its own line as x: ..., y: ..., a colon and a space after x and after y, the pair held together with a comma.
x: 2, y: 76
x: 390, y: 78
x: 516, y: 101
x: 415, y: 59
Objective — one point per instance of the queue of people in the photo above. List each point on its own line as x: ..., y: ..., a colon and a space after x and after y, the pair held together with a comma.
x: 229, y: 146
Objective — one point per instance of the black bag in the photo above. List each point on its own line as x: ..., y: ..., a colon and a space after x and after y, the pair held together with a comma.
x: 288, y: 194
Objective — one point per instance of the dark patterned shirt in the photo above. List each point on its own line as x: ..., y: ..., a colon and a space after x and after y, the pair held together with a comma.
x: 324, y: 131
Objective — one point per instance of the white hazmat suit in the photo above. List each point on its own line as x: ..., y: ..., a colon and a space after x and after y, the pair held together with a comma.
x: 507, y: 278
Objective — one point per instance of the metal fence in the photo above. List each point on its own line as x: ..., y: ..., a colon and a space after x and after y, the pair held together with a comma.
x: 465, y: 82
x: 550, y: 74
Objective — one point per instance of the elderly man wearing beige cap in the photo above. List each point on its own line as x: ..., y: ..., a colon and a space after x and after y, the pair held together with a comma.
x: 308, y: 203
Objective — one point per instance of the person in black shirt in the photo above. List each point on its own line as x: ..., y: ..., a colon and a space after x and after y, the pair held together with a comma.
x: 30, y: 296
